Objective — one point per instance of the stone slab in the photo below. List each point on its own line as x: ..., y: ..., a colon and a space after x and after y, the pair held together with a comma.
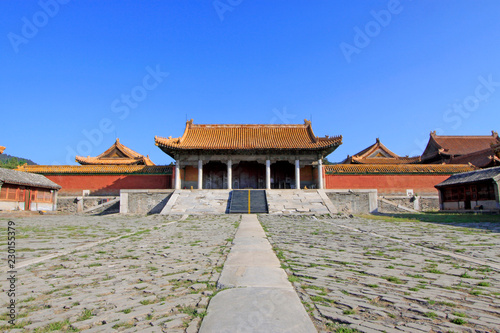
x: 256, y: 310
x: 257, y: 276
x: 252, y: 258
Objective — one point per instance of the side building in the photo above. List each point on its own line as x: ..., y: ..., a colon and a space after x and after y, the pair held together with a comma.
x: 471, y: 190
x: 378, y: 153
x: 117, y: 168
x: 27, y: 191
x: 461, y: 149
x: 117, y: 154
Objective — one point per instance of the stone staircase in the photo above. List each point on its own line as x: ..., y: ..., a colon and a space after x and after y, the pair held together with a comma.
x: 248, y: 202
x: 199, y: 202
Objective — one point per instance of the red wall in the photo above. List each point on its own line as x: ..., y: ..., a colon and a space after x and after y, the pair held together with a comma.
x: 387, y: 184
x: 109, y: 184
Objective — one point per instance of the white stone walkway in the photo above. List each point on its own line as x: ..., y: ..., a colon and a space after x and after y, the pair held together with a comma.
x: 259, y: 297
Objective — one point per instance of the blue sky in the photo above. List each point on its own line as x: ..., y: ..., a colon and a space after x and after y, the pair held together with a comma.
x: 74, y: 75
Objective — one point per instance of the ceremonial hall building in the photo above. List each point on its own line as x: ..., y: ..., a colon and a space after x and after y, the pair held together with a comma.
x: 248, y: 156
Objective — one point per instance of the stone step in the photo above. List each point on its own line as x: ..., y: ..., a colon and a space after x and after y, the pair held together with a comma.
x: 248, y: 202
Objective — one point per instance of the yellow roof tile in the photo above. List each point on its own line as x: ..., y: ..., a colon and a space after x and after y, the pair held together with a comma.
x: 248, y: 137
x: 117, y: 154
x: 97, y: 169
x: 359, y: 169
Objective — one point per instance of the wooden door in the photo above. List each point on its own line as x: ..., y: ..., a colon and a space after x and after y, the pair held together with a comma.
x: 468, y: 196
x: 27, y: 199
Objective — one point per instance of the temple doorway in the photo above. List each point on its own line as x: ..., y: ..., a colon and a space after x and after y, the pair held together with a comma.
x: 249, y: 174
x: 282, y: 175
x: 215, y: 176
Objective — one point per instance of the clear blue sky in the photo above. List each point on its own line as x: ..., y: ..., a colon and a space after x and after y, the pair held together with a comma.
x: 136, y: 69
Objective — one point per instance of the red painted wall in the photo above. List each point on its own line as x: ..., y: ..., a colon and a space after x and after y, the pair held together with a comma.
x: 387, y: 184
x: 109, y: 184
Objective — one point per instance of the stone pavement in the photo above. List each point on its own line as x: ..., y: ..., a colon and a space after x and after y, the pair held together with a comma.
x: 351, y: 274
x: 259, y: 298
x: 402, y: 282
x: 159, y: 278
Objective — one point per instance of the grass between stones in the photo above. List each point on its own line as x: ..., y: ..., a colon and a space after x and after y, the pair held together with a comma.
x: 435, y: 217
x: 338, y: 270
x: 188, y: 264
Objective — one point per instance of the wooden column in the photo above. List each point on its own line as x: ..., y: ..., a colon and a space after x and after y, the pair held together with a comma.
x: 229, y: 175
x: 320, y: 174
x: 177, y: 182
x: 200, y: 174
x: 297, y: 174
x: 268, y: 174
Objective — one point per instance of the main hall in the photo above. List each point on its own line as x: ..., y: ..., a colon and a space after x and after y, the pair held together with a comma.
x: 248, y: 156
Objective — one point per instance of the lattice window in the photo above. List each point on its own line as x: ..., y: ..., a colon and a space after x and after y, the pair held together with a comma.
x: 11, y: 193
x: 43, y: 195
x: 486, y: 191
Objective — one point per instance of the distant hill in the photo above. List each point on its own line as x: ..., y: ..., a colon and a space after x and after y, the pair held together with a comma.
x: 11, y: 162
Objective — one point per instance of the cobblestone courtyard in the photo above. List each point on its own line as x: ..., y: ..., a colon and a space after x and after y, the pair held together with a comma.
x: 369, y: 275
x: 365, y: 273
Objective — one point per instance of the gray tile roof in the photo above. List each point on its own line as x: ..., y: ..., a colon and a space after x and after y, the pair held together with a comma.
x: 25, y: 178
x: 472, y: 177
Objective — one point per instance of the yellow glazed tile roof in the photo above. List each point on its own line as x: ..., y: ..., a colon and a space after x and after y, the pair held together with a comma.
x: 97, y: 169
x: 248, y: 137
x: 378, y: 153
x: 386, y: 160
x: 143, y: 160
x: 360, y: 169
x: 2, y: 148
x: 117, y: 154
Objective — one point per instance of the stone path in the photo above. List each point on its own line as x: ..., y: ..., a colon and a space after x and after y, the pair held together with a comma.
x: 373, y: 284
x: 158, y: 279
x: 259, y: 298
